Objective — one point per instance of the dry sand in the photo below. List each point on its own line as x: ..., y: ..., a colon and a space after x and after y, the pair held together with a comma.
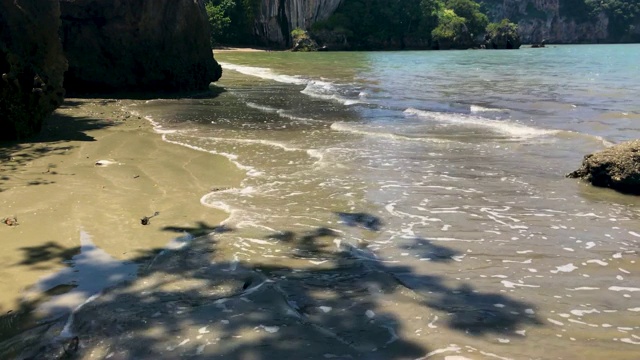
x: 54, y: 188
x: 238, y: 49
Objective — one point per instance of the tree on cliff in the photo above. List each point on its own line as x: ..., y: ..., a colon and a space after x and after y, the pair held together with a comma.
x: 231, y: 21
x: 460, y: 22
x: 623, y: 15
x: 407, y: 23
x: 502, y: 35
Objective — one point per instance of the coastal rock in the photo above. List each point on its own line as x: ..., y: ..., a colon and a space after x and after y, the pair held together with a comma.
x: 617, y: 167
x: 545, y: 19
x: 137, y: 45
x: 32, y: 65
x: 277, y: 18
x: 303, y: 42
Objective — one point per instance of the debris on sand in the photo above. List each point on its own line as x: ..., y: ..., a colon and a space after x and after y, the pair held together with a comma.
x: 145, y: 220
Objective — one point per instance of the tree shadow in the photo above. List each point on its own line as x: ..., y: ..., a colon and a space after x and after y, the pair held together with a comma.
x: 50, y: 251
x: 431, y: 251
x: 318, y: 298
x: 364, y: 220
x: 58, y: 130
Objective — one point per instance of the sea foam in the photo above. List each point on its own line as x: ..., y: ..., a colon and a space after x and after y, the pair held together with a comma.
x: 513, y: 130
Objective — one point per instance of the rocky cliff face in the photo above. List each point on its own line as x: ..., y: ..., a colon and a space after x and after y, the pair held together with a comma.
x: 32, y: 65
x: 277, y: 18
x: 543, y: 20
x: 137, y: 45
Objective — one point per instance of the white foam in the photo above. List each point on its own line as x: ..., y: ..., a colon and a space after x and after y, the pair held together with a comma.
x: 599, y: 262
x: 621, y: 288
x: 251, y: 171
x: 481, y: 109
x: 512, y: 285
x: 281, y: 112
x: 327, y: 91
x: 344, y: 127
x: 314, y: 88
x: 156, y: 126
x: 511, y: 129
x: 270, y: 329
x: 263, y: 73
x: 255, y: 141
x: 584, y: 288
x: 555, y: 322
x: 582, y: 312
x: 451, y: 347
x: 564, y: 268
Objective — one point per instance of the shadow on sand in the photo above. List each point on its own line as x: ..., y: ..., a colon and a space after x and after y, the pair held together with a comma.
x: 315, y: 300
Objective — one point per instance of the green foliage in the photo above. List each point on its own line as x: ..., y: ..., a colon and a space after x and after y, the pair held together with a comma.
x: 218, y: 12
x: 623, y: 14
x: 231, y: 21
x: 299, y: 34
x: 370, y: 24
x: 451, y: 27
x: 503, y: 28
x: 302, y: 41
x: 469, y: 10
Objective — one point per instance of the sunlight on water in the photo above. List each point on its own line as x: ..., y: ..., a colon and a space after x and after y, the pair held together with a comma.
x: 449, y: 164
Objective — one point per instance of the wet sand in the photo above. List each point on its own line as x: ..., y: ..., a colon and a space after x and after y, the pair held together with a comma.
x: 97, y: 170
x: 233, y: 293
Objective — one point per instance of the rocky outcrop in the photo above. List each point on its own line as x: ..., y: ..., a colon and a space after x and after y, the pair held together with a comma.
x: 32, y: 66
x: 137, y: 45
x: 617, y: 167
x: 544, y: 20
x: 277, y: 18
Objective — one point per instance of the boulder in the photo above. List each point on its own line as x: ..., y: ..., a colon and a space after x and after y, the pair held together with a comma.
x: 617, y: 167
x: 137, y: 45
x: 32, y: 66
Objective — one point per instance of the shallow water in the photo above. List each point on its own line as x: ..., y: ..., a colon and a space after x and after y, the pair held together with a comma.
x: 444, y: 171
x: 458, y: 160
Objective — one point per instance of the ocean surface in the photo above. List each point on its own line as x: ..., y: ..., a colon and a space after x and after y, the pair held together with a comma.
x: 445, y: 170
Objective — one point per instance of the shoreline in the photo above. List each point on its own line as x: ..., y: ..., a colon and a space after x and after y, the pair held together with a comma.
x: 98, y: 169
x: 240, y: 49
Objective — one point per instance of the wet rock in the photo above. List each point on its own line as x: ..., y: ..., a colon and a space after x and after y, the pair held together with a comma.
x: 617, y: 167
x: 137, y: 45
x: 32, y: 66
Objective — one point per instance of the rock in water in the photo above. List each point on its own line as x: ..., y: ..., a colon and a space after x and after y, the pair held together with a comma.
x: 32, y: 66
x: 617, y: 167
x: 137, y: 45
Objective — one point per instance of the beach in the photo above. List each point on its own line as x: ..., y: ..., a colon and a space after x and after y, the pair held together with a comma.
x: 99, y: 169
x: 333, y: 206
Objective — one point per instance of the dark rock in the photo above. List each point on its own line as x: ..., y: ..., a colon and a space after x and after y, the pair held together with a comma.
x: 32, y: 66
x: 137, y: 45
x: 617, y: 167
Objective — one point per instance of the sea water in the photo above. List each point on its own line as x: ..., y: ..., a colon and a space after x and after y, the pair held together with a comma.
x: 447, y: 169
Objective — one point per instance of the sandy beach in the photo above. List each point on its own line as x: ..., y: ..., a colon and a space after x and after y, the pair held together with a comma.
x: 98, y: 170
x: 238, y: 49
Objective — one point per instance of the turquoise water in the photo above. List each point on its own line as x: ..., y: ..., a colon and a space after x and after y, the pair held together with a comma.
x: 451, y: 164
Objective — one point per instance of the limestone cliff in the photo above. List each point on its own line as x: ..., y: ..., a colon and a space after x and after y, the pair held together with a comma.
x: 545, y: 20
x: 277, y: 18
x: 32, y: 65
x: 137, y: 45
